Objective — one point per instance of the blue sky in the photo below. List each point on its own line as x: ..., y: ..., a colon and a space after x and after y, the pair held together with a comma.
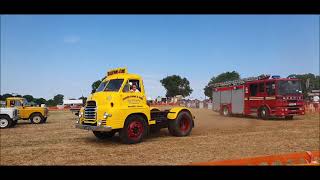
x: 44, y: 55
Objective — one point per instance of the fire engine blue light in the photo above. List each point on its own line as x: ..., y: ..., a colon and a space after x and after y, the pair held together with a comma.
x: 275, y: 77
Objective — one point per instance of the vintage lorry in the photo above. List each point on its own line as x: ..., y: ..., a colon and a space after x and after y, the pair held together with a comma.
x: 36, y: 115
x: 8, y: 117
x: 119, y: 104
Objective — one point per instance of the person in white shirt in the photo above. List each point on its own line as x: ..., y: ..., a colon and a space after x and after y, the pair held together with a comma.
x: 134, y: 88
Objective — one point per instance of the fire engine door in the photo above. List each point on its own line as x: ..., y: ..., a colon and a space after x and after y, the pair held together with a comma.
x: 256, y: 96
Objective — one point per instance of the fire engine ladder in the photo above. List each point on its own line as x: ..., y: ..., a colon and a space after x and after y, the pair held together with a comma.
x: 239, y: 81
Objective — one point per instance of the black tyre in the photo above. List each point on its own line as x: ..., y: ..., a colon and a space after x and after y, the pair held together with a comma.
x: 288, y: 117
x: 14, y: 123
x: 134, y: 130
x: 36, y: 118
x: 5, y: 122
x: 182, y: 125
x: 104, y: 135
x: 264, y: 113
x: 225, y: 111
x: 45, y: 120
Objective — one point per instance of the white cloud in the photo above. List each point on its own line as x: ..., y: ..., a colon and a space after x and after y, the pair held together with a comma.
x: 71, y: 39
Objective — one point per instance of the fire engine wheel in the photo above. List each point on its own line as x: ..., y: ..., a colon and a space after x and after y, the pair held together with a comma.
x: 36, y: 119
x: 182, y: 125
x: 103, y: 135
x: 134, y: 130
x: 5, y: 122
x: 264, y: 113
x: 225, y: 111
x: 288, y: 117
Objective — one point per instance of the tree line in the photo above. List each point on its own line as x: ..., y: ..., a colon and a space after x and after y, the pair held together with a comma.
x: 177, y: 85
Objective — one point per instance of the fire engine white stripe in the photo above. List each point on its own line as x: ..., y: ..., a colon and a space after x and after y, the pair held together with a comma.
x: 269, y: 98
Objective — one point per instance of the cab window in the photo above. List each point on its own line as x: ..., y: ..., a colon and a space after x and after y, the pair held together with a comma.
x: 270, y: 88
x: 132, y: 85
x: 253, y: 89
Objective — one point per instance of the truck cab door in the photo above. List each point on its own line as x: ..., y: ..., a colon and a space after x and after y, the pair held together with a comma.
x: 254, y: 98
x: 132, y: 95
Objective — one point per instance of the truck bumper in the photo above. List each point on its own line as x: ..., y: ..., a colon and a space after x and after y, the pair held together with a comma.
x: 287, y: 111
x: 93, y: 128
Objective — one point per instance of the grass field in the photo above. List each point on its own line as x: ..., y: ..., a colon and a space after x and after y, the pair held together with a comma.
x: 214, y: 137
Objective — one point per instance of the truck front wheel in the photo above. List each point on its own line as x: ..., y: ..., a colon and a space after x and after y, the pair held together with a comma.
x: 134, y: 130
x: 36, y: 119
x: 103, y: 135
x: 5, y: 122
x: 264, y: 113
x: 182, y: 125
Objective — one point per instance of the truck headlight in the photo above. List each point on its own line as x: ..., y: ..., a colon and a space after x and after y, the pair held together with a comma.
x: 99, y: 123
x: 106, y: 115
x: 80, y: 114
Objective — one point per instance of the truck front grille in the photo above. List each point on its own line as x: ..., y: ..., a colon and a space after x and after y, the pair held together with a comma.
x: 90, y: 113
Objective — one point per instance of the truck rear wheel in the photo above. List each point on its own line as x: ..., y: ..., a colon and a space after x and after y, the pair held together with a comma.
x: 5, y: 122
x: 36, y: 118
x: 182, y: 125
x: 103, y: 135
x: 225, y: 111
x: 134, y: 130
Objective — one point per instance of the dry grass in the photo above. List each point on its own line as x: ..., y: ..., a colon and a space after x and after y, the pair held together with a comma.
x: 214, y: 138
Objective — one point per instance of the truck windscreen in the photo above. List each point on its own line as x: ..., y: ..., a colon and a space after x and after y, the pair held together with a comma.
x: 101, y: 86
x: 111, y: 85
x: 114, y: 85
x: 289, y: 87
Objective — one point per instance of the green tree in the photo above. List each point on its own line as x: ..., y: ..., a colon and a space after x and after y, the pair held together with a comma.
x: 175, y: 85
x: 58, y: 99
x: 29, y: 98
x: 227, y: 76
x: 40, y: 101
x: 50, y: 102
x: 84, y: 99
x: 5, y: 96
x: 309, y: 79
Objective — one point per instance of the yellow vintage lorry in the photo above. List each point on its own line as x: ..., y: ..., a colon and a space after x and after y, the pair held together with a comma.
x: 119, y: 104
x: 36, y: 115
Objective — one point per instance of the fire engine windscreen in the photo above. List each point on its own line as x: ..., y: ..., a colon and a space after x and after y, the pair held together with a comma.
x: 112, y: 85
x: 289, y: 87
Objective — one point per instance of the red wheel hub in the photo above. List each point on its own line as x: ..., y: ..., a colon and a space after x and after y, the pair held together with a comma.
x: 135, y: 129
x: 184, y: 124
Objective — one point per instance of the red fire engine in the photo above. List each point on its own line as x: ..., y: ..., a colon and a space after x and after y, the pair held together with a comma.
x: 261, y: 96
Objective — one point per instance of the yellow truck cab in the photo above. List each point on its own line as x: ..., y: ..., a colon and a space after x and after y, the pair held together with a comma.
x: 119, y: 104
x: 36, y: 115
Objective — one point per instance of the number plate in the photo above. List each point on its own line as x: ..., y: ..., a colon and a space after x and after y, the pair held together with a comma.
x: 86, y: 127
x: 292, y: 104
